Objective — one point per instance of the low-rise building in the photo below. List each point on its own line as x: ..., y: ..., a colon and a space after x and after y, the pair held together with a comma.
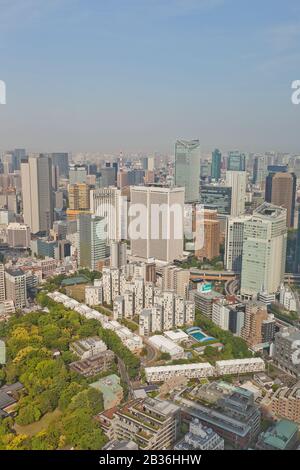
x: 94, y: 365
x: 283, y: 435
x: 240, y: 366
x: 111, y: 390
x: 286, y: 352
x: 190, y: 371
x: 167, y: 346
x: 88, y: 347
x: 200, y: 437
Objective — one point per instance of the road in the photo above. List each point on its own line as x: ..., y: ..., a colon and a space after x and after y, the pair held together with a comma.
x: 232, y: 287
x: 125, y: 377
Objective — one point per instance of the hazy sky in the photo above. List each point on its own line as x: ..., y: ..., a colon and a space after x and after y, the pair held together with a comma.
x: 134, y: 75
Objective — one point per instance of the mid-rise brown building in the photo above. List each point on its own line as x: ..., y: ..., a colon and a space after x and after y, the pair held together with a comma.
x: 211, y: 236
x: 255, y: 314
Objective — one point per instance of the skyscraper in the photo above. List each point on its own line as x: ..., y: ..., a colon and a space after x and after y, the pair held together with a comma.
x: 234, y: 239
x: 237, y: 180
x: 79, y: 196
x: 161, y: 234
x: 236, y: 161
x: 92, y: 240
x: 187, y: 168
x: 36, y: 175
x: 61, y: 160
x: 110, y: 204
x: 211, y: 245
x: 216, y: 162
x: 281, y: 191
x: 264, y: 250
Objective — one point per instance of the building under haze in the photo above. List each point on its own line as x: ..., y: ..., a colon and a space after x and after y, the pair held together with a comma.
x: 216, y: 162
x: 237, y: 180
x: 264, y: 250
x: 37, y: 195
x: 281, y: 191
x: 92, y: 241
x: 187, y: 168
x: 157, y: 214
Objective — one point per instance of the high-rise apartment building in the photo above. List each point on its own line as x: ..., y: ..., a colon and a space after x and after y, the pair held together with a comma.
x: 286, y: 351
x: 156, y: 222
x: 187, y: 168
x: 211, y: 239
x: 177, y: 279
x: 264, y: 250
x: 118, y: 254
x: 281, y: 191
x: 216, y: 162
x: 15, y: 287
x: 237, y: 180
x: 92, y: 241
x: 37, y: 195
x: 255, y: 314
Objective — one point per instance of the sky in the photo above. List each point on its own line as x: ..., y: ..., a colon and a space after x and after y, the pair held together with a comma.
x: 134, y: 75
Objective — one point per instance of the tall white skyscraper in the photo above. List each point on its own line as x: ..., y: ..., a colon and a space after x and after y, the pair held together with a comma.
x: 264, y: 250
x: 110, y: 204
x: 187, y: 168
x: 36, y: 174
x: 234, y: 238
x: 237, y: 180
x: 158, y: 212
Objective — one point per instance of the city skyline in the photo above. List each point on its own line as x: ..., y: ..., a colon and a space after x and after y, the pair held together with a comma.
x: 78, y: 79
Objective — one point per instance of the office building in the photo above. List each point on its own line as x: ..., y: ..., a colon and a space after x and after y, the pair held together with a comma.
x: 92, y: 241
x: 61, y: 161
x: 216, y: 163
x: 77, y: 174
x: 36, y: 175
x: 110, y: 204
x: 237, y: 180
x: 236, y: 161
x: 156, y: 222
x: 187, y: 168
x: 281, y: 191
x: 216, y: 198
x: 118, y: 250
x: 79, y: 196
x: 18, y: 235
x: 264, y: 250
x: 234, y: 239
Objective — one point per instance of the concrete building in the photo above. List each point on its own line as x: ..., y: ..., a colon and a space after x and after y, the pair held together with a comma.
x: 176, y: 279
x: 2, y: 283
x: 264, y: 251
x: 282, y: 435
x: 284, y: 402
x: 240, y: 366
x: 167, y: 346
x: 281, y: 191
x: 200, y: 437
x: 211, y: 242
x: 110, y: 204
x: 237, y: 180
x: 88, y: 347
x: 287, y: 298
x: 118, y: 251
x: 94, y: 295
x: 18, y: 235
x: 286, y: 351
x: 234, y: 239
x: 255, y: 314
x: 190, y: 371
x: 36, y: 175
x: 92, y: 241
x: 156, y: 222
x: 94, y: 365
x: 187, y: 168
x: 79, y: 197
x: 151, y: 423
x: 15, y: 287
x: 111, y: 390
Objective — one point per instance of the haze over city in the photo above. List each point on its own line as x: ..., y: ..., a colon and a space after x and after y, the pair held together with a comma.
x: 133, y: 75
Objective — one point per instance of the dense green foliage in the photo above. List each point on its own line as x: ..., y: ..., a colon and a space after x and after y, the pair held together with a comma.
x: 49, y: 384
x: 234, y: 347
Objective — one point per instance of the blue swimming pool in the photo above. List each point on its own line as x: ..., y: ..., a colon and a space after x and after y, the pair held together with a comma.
x: 198, y: 335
